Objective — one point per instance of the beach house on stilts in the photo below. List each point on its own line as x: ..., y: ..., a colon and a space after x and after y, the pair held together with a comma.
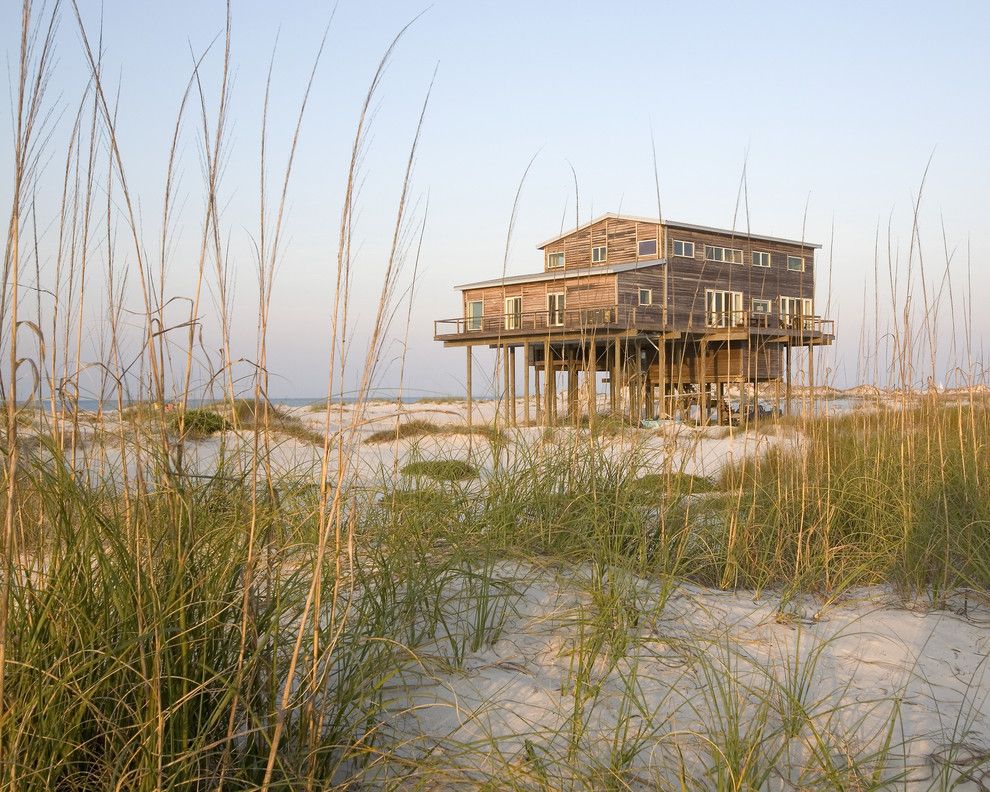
x: 672, y: 314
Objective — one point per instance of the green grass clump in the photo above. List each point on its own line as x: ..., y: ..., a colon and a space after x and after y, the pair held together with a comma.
x: 421, y: 428
x: 202, y: 422
x: 441, y: 469
x: 667, y: 484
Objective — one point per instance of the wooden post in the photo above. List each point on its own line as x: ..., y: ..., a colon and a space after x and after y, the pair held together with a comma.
x: 662, y: 368
x: 590, y: 377
x: 703, y: 382
x: 787, y: 381
x: 547, y: 386
x: 811, y: 377
x: 526, y: 383
x: 614, y: 393
x: 512, y: 385
x: 505, y: 383
x: 470, y: 396
x: 572, y: 388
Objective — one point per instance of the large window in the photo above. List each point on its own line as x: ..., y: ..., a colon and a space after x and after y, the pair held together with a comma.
x: 555, y: 309
x: 513, y: 313
x: 555, y: 260
x: 682, y: 248
x: 475, y: 313
x: 762, y: 306
x: 599, y: 254
x: 795, y: 312
x: 761, y: 259
x: 723, y: 308
x: 647, y: 247
x: 646, y: 296
x: 795, y: 263
x: 732, y: 255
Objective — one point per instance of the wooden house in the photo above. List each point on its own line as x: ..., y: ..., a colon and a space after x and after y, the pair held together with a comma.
x: 671, y: 312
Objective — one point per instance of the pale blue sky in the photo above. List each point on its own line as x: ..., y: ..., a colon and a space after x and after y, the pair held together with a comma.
x: 837, y: 106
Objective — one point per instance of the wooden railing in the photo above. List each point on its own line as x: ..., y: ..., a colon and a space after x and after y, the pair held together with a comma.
x: 622, y: 317
x: 812, y: 325
x: 611, y: 317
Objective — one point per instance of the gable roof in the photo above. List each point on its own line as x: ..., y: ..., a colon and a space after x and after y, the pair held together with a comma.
x: 564, y: 274
x: 675, y: 224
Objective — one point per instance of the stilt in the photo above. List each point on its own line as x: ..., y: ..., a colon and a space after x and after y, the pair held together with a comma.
x: 548, y: 386
x: 662, y: 369
x: 512, y: 386
x: 470, y: 396
x: 526, y: 383
x: 787, y: 381
x: 703, y: 381
x: 572, y: 388
x: 505, y: 383
x: 537, y: 395
x: 811, y: 377
x: 613, y: 376
x: 590, y: 381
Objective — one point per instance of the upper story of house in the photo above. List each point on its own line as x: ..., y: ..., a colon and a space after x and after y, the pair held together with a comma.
x: 638, y: 273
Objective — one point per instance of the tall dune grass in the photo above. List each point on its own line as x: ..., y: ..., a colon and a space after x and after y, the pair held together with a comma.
x: 162, y: 628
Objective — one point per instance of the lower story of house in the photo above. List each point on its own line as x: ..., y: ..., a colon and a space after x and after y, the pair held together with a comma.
x: 648, y: 374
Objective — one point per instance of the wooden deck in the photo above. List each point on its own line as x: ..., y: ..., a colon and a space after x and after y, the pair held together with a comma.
x: 631, y: 320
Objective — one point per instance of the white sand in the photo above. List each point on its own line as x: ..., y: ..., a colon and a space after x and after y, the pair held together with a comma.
x: 861, y: 656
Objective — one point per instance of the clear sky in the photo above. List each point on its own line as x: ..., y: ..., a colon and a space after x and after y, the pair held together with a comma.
x: 834, y: 107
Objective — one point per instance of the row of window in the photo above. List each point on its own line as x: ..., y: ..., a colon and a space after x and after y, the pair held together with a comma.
x: 722, y: 309
x: 513, y: 310
x: 725, y: 308
x: 648, y: 247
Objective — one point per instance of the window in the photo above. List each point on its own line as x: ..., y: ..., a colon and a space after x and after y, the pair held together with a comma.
x: 762, y: 306
x: 796, y: 313
x: 685, y: 249
x: 723, y: 308
x: 731, y: 255
x: 513, y: 313
x: 795, y: 263
x: 647, y: 247
x: 761, y: 259
x: 555, y: 309
x: 475, y: 312
x: 599, y: 254
x: 646, y: 296
x: 555, y: 260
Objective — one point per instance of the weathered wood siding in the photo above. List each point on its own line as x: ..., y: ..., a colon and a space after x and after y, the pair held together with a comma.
x: 589, y: 291
x: 725, y: 363
x: 620, y: 236
x: 690, y: 277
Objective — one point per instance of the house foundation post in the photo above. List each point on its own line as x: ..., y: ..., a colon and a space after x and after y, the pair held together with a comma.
x: 526, y: 383
x: 703, y: 382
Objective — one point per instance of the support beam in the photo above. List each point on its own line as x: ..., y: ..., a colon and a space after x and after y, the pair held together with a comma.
x: 703, y: 382
x: 787, y: 381
x: 549, y: 386
x: 537, y: 395
x: 572, y: 388
x: 811, y: 378
x: 505, y: 383
x: 526, y: 383
x: 512, y: 386
x: 469, y: 394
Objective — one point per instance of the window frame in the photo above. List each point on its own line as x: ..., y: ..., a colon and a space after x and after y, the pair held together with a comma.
x: 513, y: 319
x: 763, y: 301
x: 563, y: 259
x: 755, y: 253
x: 710, y: 254
x: 791, y: 258
x: 551, y: 312
x: 639, y: 250
x: 649, y: 296
x: 469, y: 320
x: 728, y: 318
x: 683, y: 243
x: 594, y: 251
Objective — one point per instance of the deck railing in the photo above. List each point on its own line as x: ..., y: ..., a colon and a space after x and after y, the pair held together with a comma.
x: 606, y: 317
x: 622, y: 317
x: 812, y: 325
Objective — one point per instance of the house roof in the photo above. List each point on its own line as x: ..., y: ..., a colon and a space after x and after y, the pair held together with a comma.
x: 562, y: 274
x: 675, y: 224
